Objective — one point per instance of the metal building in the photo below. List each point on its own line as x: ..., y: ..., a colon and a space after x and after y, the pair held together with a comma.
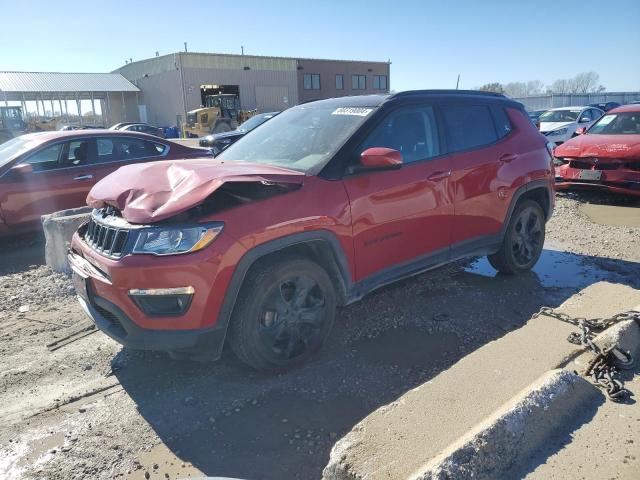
x: 170, y: 85
x: 108, y: 97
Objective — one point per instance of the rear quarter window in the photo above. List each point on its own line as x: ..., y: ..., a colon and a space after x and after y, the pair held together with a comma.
x: 468, y: 126
x: 501, y: 119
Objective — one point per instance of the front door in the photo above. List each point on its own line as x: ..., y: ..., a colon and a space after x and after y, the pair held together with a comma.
x: 402, y: 217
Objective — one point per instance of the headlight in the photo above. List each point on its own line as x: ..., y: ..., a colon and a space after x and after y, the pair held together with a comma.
x: 560, y: 161
x: 560, y: 131
x: 176, y: 240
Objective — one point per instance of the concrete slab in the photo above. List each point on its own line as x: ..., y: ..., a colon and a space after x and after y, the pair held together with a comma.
x: 58, y: 228
x: 612, y: 215
x: 398, y: 439
x: 517, y: 430
x: 607, y: 446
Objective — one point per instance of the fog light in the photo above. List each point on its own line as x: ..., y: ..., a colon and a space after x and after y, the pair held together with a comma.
x: 163, y: 302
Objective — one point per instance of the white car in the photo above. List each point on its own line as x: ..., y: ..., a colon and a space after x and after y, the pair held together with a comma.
x: 560, y: 124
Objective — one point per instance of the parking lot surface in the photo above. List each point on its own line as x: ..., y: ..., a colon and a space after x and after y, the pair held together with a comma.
x: 95, y: 410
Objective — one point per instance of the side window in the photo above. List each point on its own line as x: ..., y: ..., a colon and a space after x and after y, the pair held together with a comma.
x: 410, y: 130
x: 500, y: 117
x: 595, y: 114
x: 77, y: 153
x: 468, y: 126
x: 117, y: 149
x: 45, y: 159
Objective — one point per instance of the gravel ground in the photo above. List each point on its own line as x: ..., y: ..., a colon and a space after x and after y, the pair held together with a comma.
x: 94, y: 410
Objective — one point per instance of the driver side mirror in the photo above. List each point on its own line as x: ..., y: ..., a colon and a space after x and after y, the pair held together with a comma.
x: 381, y: 158
x: 22, y: 169
x: 581, y: 131
x: 585, y: 120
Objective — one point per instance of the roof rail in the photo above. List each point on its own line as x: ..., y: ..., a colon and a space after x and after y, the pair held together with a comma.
x: 410, y: 93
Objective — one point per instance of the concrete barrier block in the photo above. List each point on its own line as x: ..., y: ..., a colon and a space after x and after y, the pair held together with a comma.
x: 58, y: 228
x: 516, y: 431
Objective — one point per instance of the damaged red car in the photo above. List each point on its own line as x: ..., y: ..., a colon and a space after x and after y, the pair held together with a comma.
x: 42, y: 173
x: 313, y: 210
x: 606, y: 156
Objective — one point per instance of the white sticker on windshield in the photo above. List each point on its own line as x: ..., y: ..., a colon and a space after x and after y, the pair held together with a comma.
x: 358, y: 111
x: 607, y: 119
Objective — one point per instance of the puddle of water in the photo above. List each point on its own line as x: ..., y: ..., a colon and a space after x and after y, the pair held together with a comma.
x: 557, y: 269
x: 167, y: 464
x: 39, y: 449
x: 407, y: 347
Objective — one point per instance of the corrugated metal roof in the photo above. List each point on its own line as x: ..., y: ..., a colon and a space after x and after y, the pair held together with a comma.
x: 64, y: 82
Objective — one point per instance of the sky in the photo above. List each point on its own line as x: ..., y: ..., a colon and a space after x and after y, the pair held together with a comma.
x: 428, y: 42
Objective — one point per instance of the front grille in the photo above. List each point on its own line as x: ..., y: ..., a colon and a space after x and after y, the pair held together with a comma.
x: 581, y: 165
x: 106, y: 239
x: 113, y: 320
x: 594, y: 164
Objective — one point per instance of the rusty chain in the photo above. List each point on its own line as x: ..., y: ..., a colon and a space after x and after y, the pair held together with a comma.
x: 603, y: 368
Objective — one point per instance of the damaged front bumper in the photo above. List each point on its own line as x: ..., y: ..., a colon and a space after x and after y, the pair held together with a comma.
x: 620, y: 180
x: 151, y: 303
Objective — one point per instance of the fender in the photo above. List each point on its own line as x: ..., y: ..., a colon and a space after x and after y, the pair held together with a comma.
x: 527, y: 187
x: 273, y: 246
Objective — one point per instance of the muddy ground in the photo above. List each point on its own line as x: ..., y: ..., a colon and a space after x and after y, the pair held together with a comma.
x: 92, y: 409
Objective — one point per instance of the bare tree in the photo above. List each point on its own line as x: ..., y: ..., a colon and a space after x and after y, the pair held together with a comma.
x: 516, y: 89
x: 492, y: 87
x: 560, y: 86
x: 585, y: 82
x: 534, y: 87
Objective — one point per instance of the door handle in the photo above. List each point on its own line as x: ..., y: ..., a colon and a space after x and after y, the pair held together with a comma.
x: 508, y: 157
x: 439, y: 175
x: 83, y: 177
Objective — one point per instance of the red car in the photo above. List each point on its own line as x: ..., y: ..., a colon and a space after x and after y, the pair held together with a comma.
x: 42, y: 173
x: 316, y: 208
x: 606, y: 156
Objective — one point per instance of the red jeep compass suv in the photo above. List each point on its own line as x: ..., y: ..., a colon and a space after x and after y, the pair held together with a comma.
x: 311, y: 210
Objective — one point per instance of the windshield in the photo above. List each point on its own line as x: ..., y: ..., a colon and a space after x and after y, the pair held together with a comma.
x: 560, y: 116
x: 624, y: 123
x: 14, y: 147
x: 253, y: 122
x: 302, y: 138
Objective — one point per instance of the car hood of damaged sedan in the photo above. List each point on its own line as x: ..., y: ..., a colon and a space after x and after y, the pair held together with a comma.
x: 151, y: 192
x: 602, y: 146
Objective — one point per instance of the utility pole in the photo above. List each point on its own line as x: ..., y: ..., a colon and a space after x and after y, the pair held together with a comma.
x: 242, y: 49
x: 185, y: 47
x: 458, y: 82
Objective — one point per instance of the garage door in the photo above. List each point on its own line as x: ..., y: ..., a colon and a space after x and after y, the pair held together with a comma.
x: 269, y: 99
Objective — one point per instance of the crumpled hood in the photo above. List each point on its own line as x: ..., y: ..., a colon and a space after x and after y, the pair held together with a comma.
x: 549, y: 126
x: 150, y: 192
x: 602, y: 146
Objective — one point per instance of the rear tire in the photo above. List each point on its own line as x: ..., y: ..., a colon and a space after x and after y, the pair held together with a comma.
x: 523, y: 240
x: 283, y: 314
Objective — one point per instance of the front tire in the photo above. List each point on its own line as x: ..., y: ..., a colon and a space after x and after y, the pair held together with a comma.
x: 523, y: 240
x: 283, y: 315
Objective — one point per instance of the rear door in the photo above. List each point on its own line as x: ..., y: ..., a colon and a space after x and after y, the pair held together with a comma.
x: 484, y: 158
x: 402, y: 217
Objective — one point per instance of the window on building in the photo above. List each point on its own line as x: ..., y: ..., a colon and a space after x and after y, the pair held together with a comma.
x: 339, y: 82
x: 311, y: 81
x: 358, y: 82
x: 468, y: 126
x: 380, y: 82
